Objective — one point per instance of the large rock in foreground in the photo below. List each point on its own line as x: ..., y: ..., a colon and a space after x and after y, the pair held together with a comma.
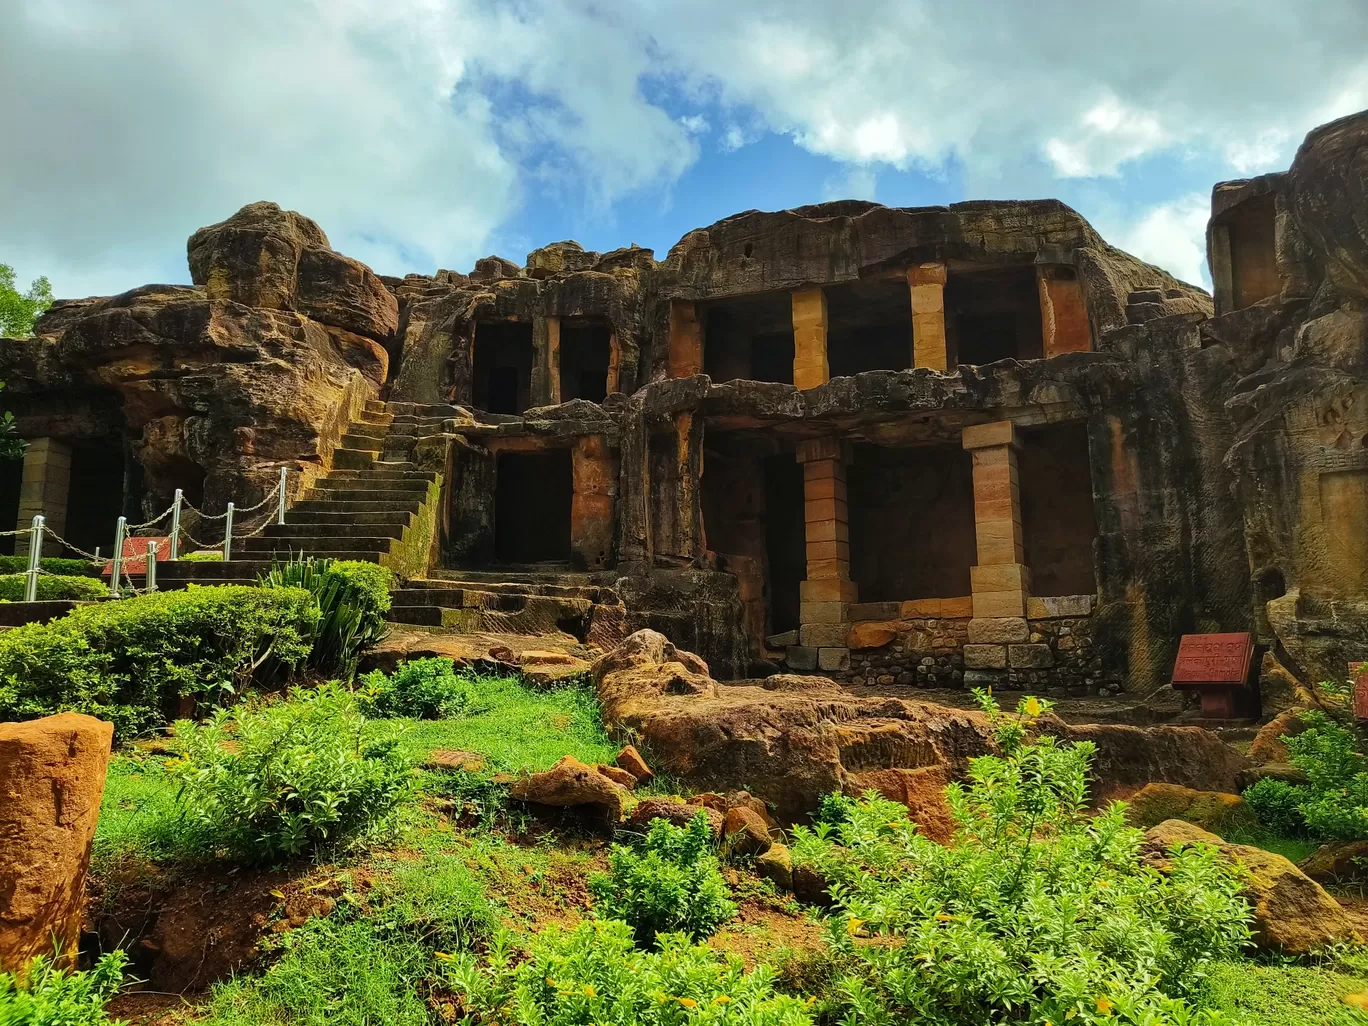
x: 792, y: 739
x: 1292, y: 913
x: 52, y: 775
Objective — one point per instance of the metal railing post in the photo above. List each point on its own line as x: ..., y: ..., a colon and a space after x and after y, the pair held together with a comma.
x: 35, y: 558
x: 228, y: 535
x: 280, y: 508
x: 116, y: 566
x: 151, y: 583
x: 174, y: 554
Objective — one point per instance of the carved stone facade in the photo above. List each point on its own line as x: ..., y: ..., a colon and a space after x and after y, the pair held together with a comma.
x: 909, y: 447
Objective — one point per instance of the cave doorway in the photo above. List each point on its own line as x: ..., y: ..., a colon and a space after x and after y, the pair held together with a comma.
x: 1058, y: 521
x: 586, y: 348
x: 533, y: 493
x: 501, y: 373
x: 869, y: 326
x: 785, y: 539
x: 993, y: 314
x: 749, y: 338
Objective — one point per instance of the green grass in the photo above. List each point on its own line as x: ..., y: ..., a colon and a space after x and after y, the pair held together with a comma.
x: 516, y: 728
x: 1251, y: 994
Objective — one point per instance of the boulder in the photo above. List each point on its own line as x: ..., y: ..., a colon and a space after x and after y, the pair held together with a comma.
x: 922, y: 790
x: 677, y: 812
x: 571, y: 783
x: 746, y: 831
x: 776, y: 864
x: 345, y: 293
x: 252, y: 258
x: 790, y: 739
x: 1216, y: 811
x: 630, y: 760
x: 1268, y: 745
x: 53, y: 773
x: 1337, y: 862
x: 1292, y: 913
x: 871, y: 634
x: 618, y: 776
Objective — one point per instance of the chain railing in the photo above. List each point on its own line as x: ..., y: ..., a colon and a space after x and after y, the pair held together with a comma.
x: 39, y: 535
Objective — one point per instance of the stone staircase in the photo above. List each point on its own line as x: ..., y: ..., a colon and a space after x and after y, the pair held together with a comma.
x: 374, y: 505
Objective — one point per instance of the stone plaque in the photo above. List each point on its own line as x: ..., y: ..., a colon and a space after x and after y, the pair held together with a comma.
x: 1213, y: 659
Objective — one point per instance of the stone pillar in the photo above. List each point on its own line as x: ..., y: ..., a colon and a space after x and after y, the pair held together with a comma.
x: 46, y: 483
x: 553, y: 374
x: 810, y: 367
x: 614, y: 381
x: 1063, y: 314
x: 927, y: 284
x: 826, y: 595
x: 53, y: 773
x: 595, y: 476
x: 686, y: 339
x: 1000, y: 582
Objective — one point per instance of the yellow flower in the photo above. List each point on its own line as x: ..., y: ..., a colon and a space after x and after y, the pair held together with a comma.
x: 1359, y: 1000
x: 551, y: 983
x: 442, y: 956
x: 589, y: 990
x: 722, y: 999
x: 1032, y: 706
x: 1105, y: 1005
x: 853, y: 926
x: 688, y: 1002
x: 945, y: 917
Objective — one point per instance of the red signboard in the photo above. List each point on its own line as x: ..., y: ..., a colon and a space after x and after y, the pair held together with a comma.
x: 1213, y: 659
x: 135, y: 555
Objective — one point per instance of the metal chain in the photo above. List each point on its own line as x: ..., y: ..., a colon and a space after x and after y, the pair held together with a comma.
x: 90, y: 556
x: 152, y: 523
x: 274, y: 493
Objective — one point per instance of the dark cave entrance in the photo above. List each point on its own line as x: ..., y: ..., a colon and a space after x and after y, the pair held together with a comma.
x: 1058, y: 522
x: 532, y: 498
x: 501, y: 374
x: 993, y: 315
x: 749, y: 338
x: 585, y: 353
x: 911, y: 522
x: 869, y: 326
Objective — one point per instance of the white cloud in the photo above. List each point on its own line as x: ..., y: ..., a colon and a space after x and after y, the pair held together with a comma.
x: 1172, y: 235
x: 855, y: 183
x: 413, y: 129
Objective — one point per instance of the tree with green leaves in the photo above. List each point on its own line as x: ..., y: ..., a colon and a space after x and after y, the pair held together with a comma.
x: 19, y: 310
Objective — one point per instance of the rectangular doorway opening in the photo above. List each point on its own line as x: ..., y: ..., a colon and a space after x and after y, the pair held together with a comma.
x: 785, y: 539
x: 532, y: 497
x: 749, y: 338
x: 96, y: 499
x: 502, y: 367
x: 11, y: 481
x: 911, y: 522
x: 585, y: 354
x: 1058, y: 522
x: 1253, y: 256
x: 869, y: 326
x: 993, y: 315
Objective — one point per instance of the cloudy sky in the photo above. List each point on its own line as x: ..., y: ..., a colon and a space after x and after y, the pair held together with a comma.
x: 426, y: 133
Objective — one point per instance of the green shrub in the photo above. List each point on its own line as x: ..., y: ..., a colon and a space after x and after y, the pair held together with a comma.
x: 13, y: 587
x: 287, y: 776
x: 672, y: 884
x: 1037, y: 912
x: 353, y: 598
x: 1335, y: 798
x: 51, y: 997
x: 1277, y: 804
x: 594, y: 974
x: 423, y: 689
x: 52, y: 565
x: 128, y: 661
x: 202, y: 557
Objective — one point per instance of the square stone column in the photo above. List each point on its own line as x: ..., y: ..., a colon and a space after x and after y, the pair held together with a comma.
x: 553, y: 375
x: 613, y: 382
x: 45, y: 487
x: 686, y: 339
x: 810, y: 366
x: 1063, y: 314
x: 595, y: 478
x: 1000, y: 582
x: 826, y: 595
x: 927, y: 284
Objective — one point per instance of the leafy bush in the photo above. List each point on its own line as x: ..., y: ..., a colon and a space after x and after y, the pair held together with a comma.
x: 51, y: 997
x: 51, y: 565
x: 424, y: 689
x: 1335, y: 799
x: 672, y: 884
x: 593, y: 974
x: 128, y: 661
x: 353, y: 598
x: 1277, y: 804
x: 13, y: 587
x: 287, y: 776
x: 1038, y: 912
x: 202, y: 557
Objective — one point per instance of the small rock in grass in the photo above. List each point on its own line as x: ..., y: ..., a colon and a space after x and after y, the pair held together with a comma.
x: 747, y: 831
x: 571, y: 783
x: 454, y: 759
x: 676, y: 812
x: 630, y: 760
x: 617, y: 776
x: 777, y: 865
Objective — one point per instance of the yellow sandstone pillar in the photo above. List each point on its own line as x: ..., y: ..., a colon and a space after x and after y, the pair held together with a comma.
x: 810, y: 367
x: 927, y: 284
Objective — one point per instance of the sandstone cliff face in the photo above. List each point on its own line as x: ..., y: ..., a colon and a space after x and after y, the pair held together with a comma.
x: 260, y: 364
